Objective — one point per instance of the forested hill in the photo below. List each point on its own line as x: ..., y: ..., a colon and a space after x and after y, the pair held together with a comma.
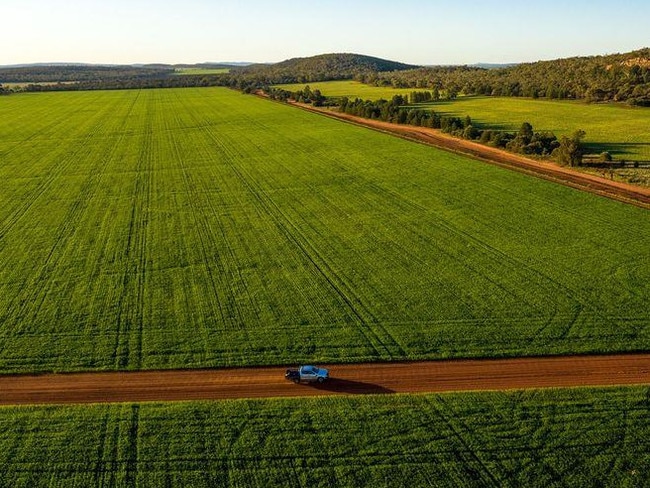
x: 323, y: 67
x: 617, y: 77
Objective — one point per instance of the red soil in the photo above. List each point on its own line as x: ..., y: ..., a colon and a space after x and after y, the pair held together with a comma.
x: 346, y: 379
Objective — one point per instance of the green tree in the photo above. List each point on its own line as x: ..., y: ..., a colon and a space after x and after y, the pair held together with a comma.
x: 525, y: 133
x: 470, y: 132
x: 317, y: 98
x: 571, y: 149
x: 522, y: 139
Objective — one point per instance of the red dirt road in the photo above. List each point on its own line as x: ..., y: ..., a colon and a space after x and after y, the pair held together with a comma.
x: 347, y: 379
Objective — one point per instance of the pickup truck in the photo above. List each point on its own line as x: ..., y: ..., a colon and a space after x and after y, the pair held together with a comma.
x: 307, y: 374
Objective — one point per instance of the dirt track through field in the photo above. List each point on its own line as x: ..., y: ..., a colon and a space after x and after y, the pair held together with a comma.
x: 636, y: 195
x: 347, y: 379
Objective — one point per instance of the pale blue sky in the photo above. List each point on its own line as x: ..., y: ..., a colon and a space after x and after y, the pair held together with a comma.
x: 412, y: 31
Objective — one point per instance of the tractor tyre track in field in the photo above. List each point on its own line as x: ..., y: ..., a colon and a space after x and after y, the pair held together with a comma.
x: 346, y: 379
x: 128, y: 342
x: 31, y: 299
x: 635, y: 195
x: 471, y: 457
x: 217, y: 306
x: 383, y: 344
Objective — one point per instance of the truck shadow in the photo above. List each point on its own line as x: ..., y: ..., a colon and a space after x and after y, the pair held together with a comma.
x: 353, y: 387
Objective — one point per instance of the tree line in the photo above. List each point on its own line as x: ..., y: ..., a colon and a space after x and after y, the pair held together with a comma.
x: 80, y: 73
x: 398, y: 110
x: 75, y: 78
x: 130, y: 83
x: 620, y: 77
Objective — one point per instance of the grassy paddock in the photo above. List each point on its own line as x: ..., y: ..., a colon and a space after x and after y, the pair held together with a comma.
x: 532, y: 438
x: 616, y: 128
x: 203, y: 227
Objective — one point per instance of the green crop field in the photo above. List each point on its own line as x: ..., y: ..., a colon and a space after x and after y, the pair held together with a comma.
x: 617, y: 128
x: 533, y: 439
x: 203, y: 227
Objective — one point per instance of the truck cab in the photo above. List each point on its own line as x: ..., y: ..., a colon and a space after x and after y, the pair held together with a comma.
x: 307, y: 374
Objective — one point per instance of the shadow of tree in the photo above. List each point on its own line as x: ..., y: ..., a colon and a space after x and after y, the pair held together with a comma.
x: 619, y: 150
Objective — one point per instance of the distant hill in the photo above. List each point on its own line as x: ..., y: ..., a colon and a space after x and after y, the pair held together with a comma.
x: 343, y: 62
x: 70, y: 72
x: 617, y: 77
x: 41, y: 65
x: 323, y: 67
x: 221, y: 65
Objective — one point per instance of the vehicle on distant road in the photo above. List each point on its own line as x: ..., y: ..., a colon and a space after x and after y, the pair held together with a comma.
x: 307, y: 374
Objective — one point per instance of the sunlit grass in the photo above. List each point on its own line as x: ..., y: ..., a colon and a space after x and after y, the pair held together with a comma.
x: 533, y: 438
x: 203, y: 227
